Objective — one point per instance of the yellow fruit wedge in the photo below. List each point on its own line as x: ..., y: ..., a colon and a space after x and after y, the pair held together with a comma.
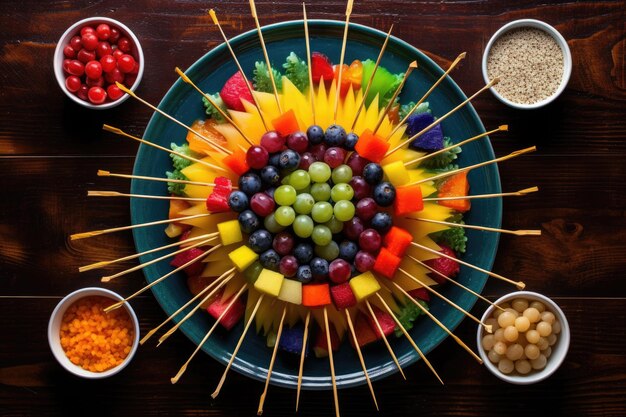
x: 230, y: 232
x: 243, y: 257
x: 364, y: 285
x: 269, y: 282
x: 291, y: 291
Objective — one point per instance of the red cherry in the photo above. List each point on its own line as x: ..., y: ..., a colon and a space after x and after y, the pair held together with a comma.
x: 65, y: 65
x: 69, y: 52
x: 115, y: 35
x: 97, y: 95
x: 117, y: 54
x: 90, y: 41
x: 129, y: 80
x: 75, y: 43
x: 124, y: 44
x: 114, y: 76
x: 85, y: 56
x: 72, y: 83
x: 87, y: 29
x: 93, y: 70
x: 126, y: 63
x: 76, y: 67
x: 114, y: 92
x: 97, y: 82
x: 103, y: 49
x: 103, y: 31
x: 82, y: 92
x: 108, y: 63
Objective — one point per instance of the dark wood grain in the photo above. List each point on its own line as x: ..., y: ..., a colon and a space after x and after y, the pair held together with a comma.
x: 50, y: 150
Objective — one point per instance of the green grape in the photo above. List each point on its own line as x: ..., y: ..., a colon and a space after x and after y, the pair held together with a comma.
x: 321, y: 235
x: 320, y: 192
x: 304, y: 203
x: 319, y: 172
x: 303, y: 226
x: 285, y: 180
x: 322, y: 212
x: 285, y: 215
x: 343, y: 173
x: 252, y: 272
x: 344, y: 210
x: 271, y: 225
x: 329, y: 252
x: 299, y: 179
x: 342, y: 192
x: 305, y: 190
x: 285, y: 195
x: 334, y: 225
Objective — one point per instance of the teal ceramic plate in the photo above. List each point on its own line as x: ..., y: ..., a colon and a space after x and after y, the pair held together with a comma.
x: 211, y: 72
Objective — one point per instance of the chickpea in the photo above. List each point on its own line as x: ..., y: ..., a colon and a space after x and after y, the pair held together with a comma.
x: 532, y: 351
x: 544, y: 328
x: 538, y: 305
x: 520, y: 304
x: 514, y: 352
x: 511, y: 334
x: 523, y: 366
x: 506, y: 366
x: 532, y: 314
x: 522, y: 324
x: 488, y: 342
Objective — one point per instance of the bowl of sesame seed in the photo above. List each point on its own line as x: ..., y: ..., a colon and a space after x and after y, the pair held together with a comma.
x: 532, y: 60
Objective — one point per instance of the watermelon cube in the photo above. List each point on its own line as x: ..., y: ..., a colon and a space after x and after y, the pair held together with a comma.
x: 320, y: 346
x: 408, y: 200
x: 342, y: 296
x: 420, y: 293
x: 315, y: 295
x: 387, y: 323
x: 216, y: 203
x: 364, y: 332
x: 232, y: 316
x: 371, y: 146
x: 286, y: 123
x: 291, y: 340
x: 397, y: 240
x: 187, y: 256
x: 386, y: 263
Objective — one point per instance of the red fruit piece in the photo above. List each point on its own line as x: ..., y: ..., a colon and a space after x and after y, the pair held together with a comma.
x: 315, y: 295
x: 188, y: 256
x: 387, y: 263
x: 216, y: 203
x: 321, y: 67
x: 320, y: 347
x: 445, y: 266
x: 342, y: 296
x: 420, y: 293
x: 223, y: 186
x: 237, y: 162
x: 455, y: 186
x: 397, y: 240
x: 408, y: 200
x: 232, y: 316
x: 387, y: 323
x: 286, y: 123
x: 364, y: 332
x: 372, y: 146
x: 234, y: 91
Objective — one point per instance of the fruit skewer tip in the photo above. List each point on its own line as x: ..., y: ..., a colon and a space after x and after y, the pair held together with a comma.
x: 361, y: 359
x: 272, y: 360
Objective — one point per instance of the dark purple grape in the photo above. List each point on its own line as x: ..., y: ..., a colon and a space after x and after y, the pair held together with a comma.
x: 298, y: 141
x: 370, y: 240
x: 364, y: 261
x: 288, y: 266
x: 357, y: 163
x: 366, y: 208
x: 361, y: 188
x: 353, y: 228
x: 283, y: 243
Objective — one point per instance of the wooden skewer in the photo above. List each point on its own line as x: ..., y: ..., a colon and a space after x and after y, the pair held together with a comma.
x: 183, y: 368
x: 332, y: 362
x: 120, y: 132
x: 305, y: 337
x: 225, y: 115
x: 519, y: 193
x: 487, y: 327
x: 466, y: 141
x: 519, y: 284
x: 84, y: 235
x: 412, y: 66
x: 430, y: 90
x: 103, y: 173
x: 369, y: 82
x: 102, y: 264
x: 409, y: 338
x: 343, y: 54
x: 308, y: 57
x: 483, y: 228
x: 155, y: 282
x: 360, y: 354
x: 173, y: 119
x: 234, y: 354
x: 221, y: 280
x: 440, y: 324
x: 380, y: 329
x: 99, y: 193
x: 155, y: 260
x: 444, y: 117
x: 216, y: 22
x: 272, y: 360
x: 481, y: 164
x: 267, y: 58
x: 458, y: 284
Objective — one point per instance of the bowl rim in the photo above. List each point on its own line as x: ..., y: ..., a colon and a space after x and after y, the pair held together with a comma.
x: 57, y: 60
x: 55, y: 344
x: 558, y: 354
x: 560, y: 40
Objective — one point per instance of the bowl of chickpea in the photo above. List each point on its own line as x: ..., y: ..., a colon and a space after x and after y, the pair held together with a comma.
x: 529, y: 340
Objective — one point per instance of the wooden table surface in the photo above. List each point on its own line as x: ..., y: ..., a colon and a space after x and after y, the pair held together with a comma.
x: 50, y: 150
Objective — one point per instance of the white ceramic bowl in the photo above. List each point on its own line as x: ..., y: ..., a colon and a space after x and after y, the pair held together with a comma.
x: 54, y: 327
x: 559, y: 350
x: 136, y: 52
x: 567, y: 60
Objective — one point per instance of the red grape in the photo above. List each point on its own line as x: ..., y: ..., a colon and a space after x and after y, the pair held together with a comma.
x: 272, y: 141
x: 364, y: 261
x: 306, y: 159
x: 257, y: 157
x: 283, y: 243
x: 356, y: 162
x: 366, y: 208
x: 370, y: 240
x: 334, y: 156
x: 353, y: 228
x: 262, y: 204
x: 298, y: 141
x: 339, y: 271
x: 319, y: 151
x: 361, y: 188
x: 288, y: 266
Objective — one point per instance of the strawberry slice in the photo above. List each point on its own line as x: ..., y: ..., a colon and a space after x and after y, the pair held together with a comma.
x: 321, y: 67
x: 445, y: 266
x: 187, y: 256
x: 234, y: 91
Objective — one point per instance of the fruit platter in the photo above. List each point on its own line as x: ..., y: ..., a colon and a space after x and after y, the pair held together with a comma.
x: 315, y: 204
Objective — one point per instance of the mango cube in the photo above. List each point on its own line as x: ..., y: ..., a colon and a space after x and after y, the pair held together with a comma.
x: 291, y: 291
x: 243, y: 257
x: 230, y: 232
x: 364, y: 285
x: 269, y: 282
x: 396, y: 173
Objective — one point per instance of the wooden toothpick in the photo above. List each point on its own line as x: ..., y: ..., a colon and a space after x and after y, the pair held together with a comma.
x: 412, y: 66
x: 519, y: 193
x: 360, y: 355
x: 239, y: 343
x: 466, y: 141
x: 342, y: 56
x: 100, y: 193
x: 442, y: 118
x: 308, y: 56
x: 120, y: 132
x: 271, y: 367
x: 380, y: 330
x: 215, y: 145
x: 475, y: 227
x: 183, y: 368
x: 305, y: 337
x: 103, y: 173
x: 332, y: 362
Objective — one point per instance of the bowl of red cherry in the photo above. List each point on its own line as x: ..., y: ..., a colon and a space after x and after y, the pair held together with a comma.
x: 92, y: 56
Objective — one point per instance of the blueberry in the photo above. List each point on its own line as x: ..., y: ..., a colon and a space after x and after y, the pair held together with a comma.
x: 373, y: 173
x: 381, y: 222
x: 260, y: 241
x: 351, y: 141
x: 348, y: 250
x: 319, y: 268
x: 270, y: 192
x: 270, y: 175
x: 315, y: 134
x: 238, y: 201
x: 335, y: 135
x: 304, y: 274
x: 270, y: 259
x: 384, y: 194
x: 289, y: 160
x: 250, y: 183
x: 274, y: 159
x: 248, y: 221
x: 303, y: 253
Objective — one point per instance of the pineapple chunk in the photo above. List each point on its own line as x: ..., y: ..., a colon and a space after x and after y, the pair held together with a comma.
x: 243, y: 257
x: 230, y: 232
x: 291, y: 291
x: 396, y: 173
x: 364, y: 285
x: 269, y: 282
